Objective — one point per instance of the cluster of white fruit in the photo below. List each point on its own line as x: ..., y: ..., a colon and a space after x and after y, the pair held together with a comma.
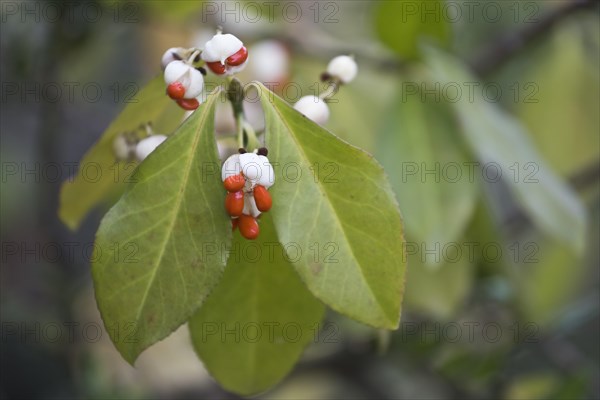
x: 341, y: 70
x: 247, y: 178
x: 224, y: 54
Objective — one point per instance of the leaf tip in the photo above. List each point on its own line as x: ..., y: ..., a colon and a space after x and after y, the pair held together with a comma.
x: 71, y: 223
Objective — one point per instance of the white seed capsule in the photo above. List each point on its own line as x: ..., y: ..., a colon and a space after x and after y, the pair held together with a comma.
x: 173, y: 54
x: 231, y: 167
x: 250, y: 166
x: 250, y: 205
x: 343, y: 67
x: 256, y: 169
x: 267, y: 175
x: 191, y: 79
x: 148, y: 145
x: 196, y: 85
x: 313, y: 108
x: 175, y: 72
x: 270, y: 62
x: 220, y: 47
x: 234, y: 70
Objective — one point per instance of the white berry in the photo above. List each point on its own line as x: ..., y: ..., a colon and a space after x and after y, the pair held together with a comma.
x: 250, y: 166
x: 173, y: 54
x: 231, y: 167
x: 267, y: 175
x: 148, y: 145
x: 176, y: 71
x: 250, y: 205
x: 313, y: 108
x: 220, y: 47
x: 343, y: 67
x: 191, y: 79
x: 256, y: 169
x: 270, y: 62
x: 234, y: 70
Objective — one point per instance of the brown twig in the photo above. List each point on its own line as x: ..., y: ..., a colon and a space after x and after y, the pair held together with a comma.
x: 508, y: 45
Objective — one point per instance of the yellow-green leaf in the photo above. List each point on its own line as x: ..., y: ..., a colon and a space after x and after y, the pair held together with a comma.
x: 99, y: 176
x: 253, y: 327
x: 500, y: 140
x: 336, y: 215
x: 401, y: 25
x: 162, y: 248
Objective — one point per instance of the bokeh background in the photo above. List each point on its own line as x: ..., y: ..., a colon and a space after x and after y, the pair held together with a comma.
x: 516, y: 318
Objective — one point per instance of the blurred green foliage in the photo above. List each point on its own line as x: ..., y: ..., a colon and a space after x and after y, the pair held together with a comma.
x: 542, y: 291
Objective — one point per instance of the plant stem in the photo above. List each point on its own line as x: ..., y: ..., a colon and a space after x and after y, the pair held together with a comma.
x: 240, y: 129
x: 193, y: 56
x: 253, y: 142
x: 331, y: 90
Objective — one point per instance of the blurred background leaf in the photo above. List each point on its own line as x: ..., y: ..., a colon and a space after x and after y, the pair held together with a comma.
x: 422, y: 151
x: 497, y: 137
x: 562, y: 115
x: 100, y: 175
x: 547, y: 311
x: 401, y: 25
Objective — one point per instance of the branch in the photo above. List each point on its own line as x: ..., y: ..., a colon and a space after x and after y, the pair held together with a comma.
x: 507, y: 46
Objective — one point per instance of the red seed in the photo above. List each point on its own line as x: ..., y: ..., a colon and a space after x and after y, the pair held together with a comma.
x: 188, y: 104
x: 176, y: 90
x: 262, y: 198
x: 248, y: 227
x: 234, y: 203
x: 234, y: 183
x: 238, y: 58
x: 216, y: 67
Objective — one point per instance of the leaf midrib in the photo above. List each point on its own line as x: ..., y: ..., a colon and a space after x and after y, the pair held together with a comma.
x: 335, y: 213
x: 175, y: 210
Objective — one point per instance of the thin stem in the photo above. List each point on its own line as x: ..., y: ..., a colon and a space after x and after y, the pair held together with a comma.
x: 240, y: 129
x: 148, y: 129
x: 193, y: 56
x: 253, y: 142
x: 331, y: 90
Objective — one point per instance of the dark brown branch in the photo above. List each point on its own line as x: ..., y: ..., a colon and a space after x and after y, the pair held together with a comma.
x: 507, y: 46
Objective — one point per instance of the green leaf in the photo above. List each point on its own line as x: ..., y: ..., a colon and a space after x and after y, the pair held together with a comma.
x: 562, y: 113
x: 439, y: 292
x: 548, y: 275
x: 99, y: 176
x: 496, y: 137
x: 158, y: 250
x: 401, y: 25
x: 253, y: 327
x: 420, y: 148
x: 336, y: 215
